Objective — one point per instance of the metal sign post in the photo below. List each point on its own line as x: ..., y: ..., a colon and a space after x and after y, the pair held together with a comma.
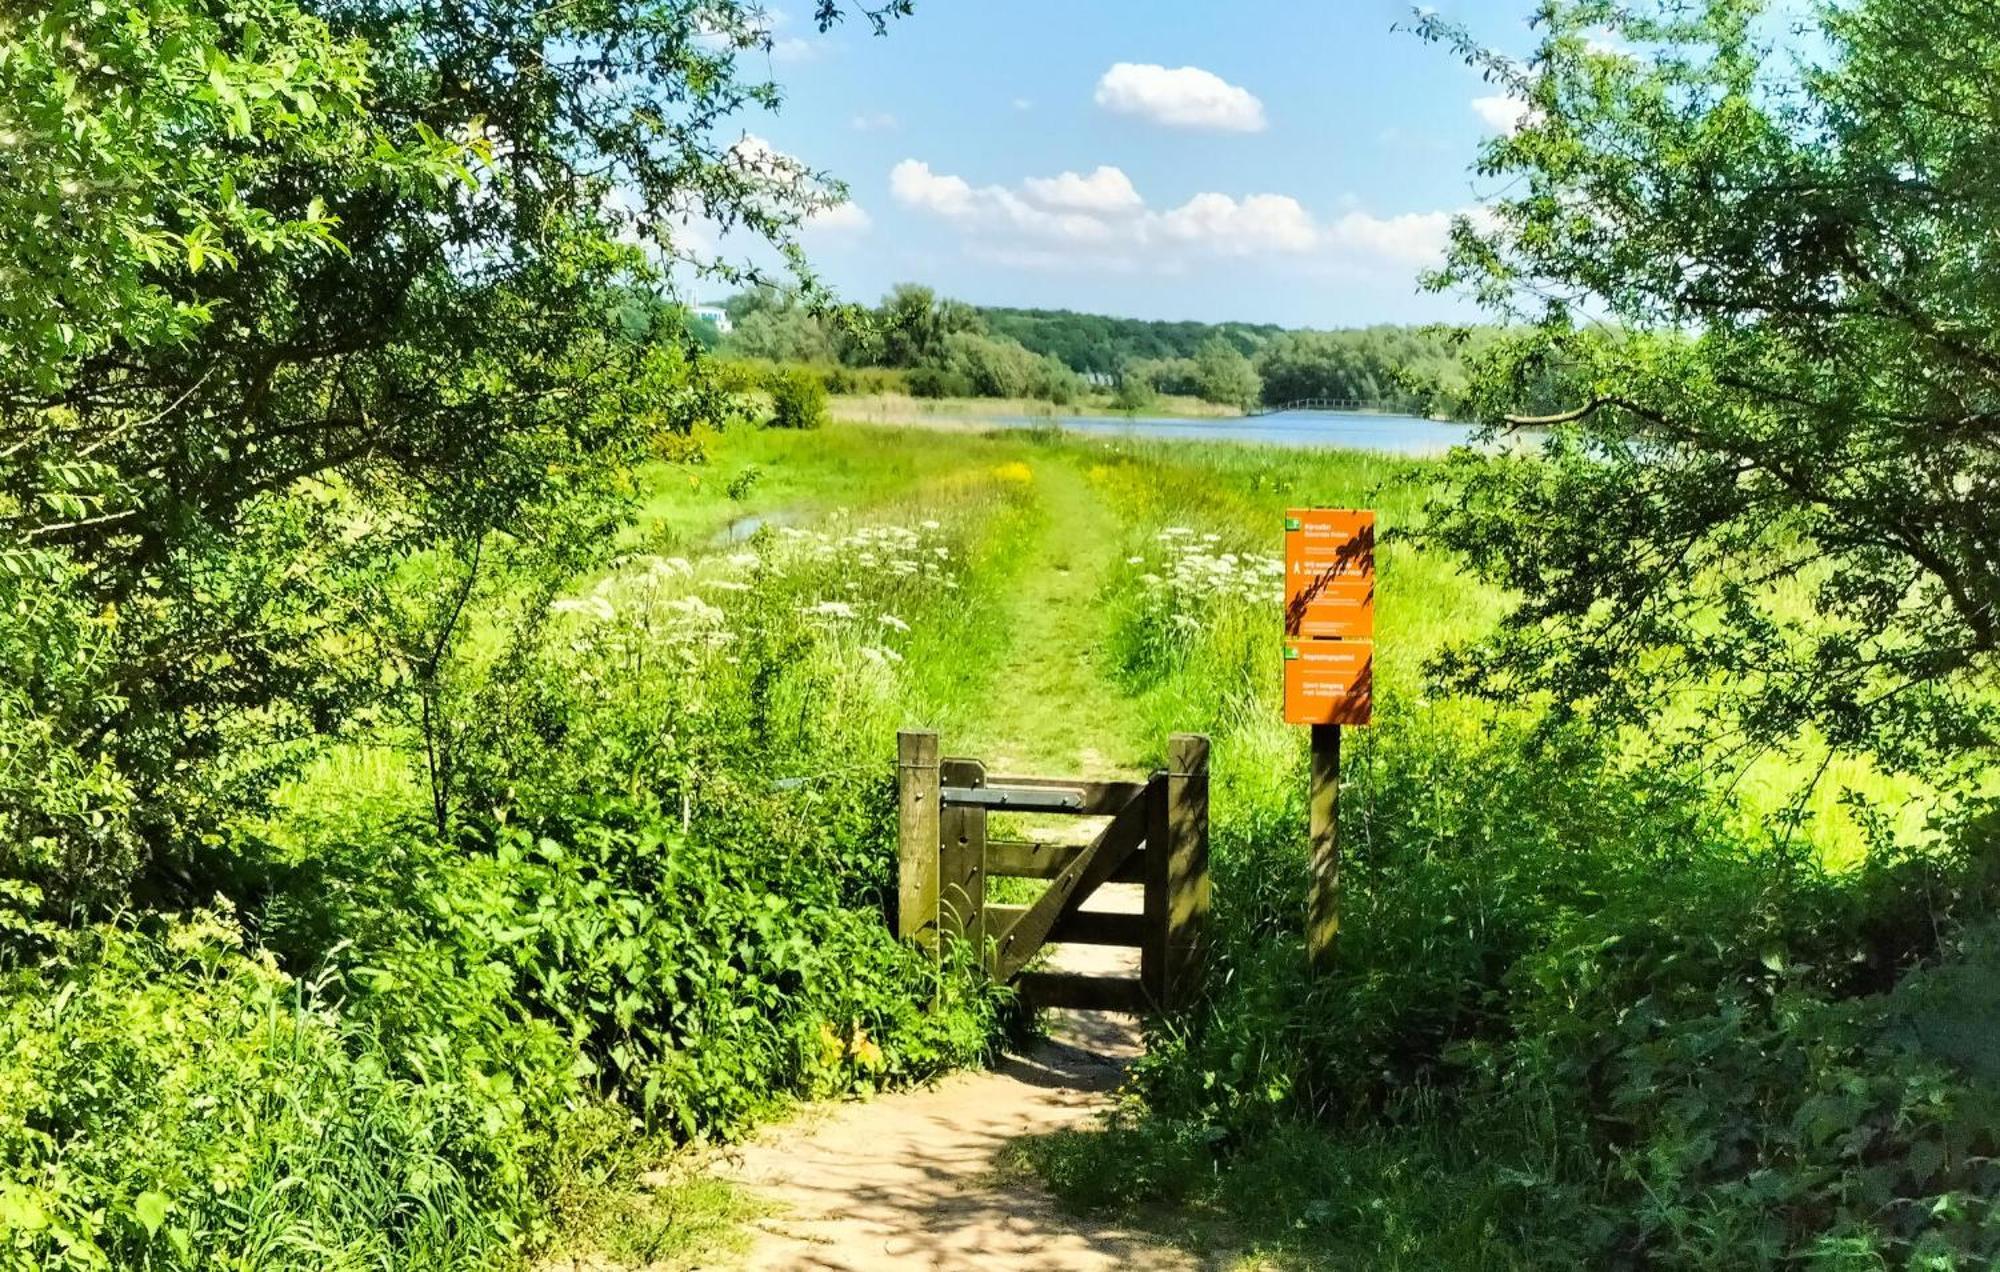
x: 1329, y: 677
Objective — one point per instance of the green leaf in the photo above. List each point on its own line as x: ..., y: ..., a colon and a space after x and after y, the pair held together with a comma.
x: 151, y: 1209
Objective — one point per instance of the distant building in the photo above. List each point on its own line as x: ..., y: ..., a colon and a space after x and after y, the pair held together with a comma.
x: 715, y: 316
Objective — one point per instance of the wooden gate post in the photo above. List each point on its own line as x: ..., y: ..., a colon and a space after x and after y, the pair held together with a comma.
x: 1177, y: 886
x: 962, y: 860
x: 917, y: 803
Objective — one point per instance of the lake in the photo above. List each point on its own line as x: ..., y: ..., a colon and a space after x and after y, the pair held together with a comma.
x: 1339, y: 430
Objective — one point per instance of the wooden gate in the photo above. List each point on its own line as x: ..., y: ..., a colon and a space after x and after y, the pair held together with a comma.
x: 1156, y: 835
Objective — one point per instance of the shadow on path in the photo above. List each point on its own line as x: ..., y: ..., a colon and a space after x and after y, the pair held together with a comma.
x: 909, y: 1180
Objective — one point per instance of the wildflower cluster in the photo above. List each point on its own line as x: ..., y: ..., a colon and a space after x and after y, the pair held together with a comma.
x: 1187, y: 594
x: 1187, y: 579
x: 853, y: 588
x: 658, y: 600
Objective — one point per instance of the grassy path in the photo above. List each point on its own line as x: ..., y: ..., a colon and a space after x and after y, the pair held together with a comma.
x: 1055, y: 707
x: 917, y: 1179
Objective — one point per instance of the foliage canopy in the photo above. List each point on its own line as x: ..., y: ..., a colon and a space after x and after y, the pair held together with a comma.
x: 296, y: 295
x: 1759, y: 279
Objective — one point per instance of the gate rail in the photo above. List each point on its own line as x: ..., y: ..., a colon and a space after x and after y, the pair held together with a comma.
x: 1157, y: 836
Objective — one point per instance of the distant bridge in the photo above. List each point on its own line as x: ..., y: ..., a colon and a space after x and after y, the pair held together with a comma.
x: 1328, y: 404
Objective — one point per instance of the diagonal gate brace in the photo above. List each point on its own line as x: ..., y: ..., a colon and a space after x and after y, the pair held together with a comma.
x: 1083, y: 875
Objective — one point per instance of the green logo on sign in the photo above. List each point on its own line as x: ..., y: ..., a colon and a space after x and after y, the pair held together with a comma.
x: 1291, y: 523
x: 1290, y: 653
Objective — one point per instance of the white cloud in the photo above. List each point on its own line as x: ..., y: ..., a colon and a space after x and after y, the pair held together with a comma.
x: 1022, y: 103
x: 1261, y: 223
x: 1187, y: 97
x: 844, y: 218
x: 1101, y: 221
x: 1501, y: 113
x: 874, y: 121
x: 1414, y: 238
x: 913, y: 184
x: 1106, y: 190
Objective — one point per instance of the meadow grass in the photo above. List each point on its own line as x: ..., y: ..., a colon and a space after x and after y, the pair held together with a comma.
x: 1054, y: 561
x: 1054, y: 656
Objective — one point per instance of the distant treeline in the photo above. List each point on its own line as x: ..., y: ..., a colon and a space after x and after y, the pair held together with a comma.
x: 1100, y: 344
x: 1411, y: 368
x: 938, y: 347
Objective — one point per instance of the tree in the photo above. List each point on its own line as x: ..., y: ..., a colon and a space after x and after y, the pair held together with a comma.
x: 1767, y: 297
x: 913, y: 325
x: 297, y: 297
x: 781, y: 335
x: 1224, y: 375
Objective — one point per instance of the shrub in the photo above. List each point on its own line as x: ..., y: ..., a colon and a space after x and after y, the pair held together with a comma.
x: 744, y: 482
x: 939, y: 382
x: 1610, y: 1027
x: 798, y: 398
x: 1135, y: 393
x: 170, y: 1099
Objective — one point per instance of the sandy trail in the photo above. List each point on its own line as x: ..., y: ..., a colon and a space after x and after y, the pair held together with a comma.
x: 909, y: 1181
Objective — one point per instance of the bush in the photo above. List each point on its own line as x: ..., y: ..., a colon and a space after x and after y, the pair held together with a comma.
x: 939, y: 382
x: 798, y: 398
x: 744, y: 482
x: 845, y: 379
x: 170, y: 1099
x: 705, y: 936
x: 1610, y: 1028
x: 441, y: 1040
x: 706, y: 976
x: 1135, y: 393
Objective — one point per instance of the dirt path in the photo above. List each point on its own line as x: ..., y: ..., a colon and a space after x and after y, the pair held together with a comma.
x: 911, y: 1180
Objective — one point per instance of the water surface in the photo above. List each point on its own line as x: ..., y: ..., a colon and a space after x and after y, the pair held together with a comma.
x: 1337, y: 430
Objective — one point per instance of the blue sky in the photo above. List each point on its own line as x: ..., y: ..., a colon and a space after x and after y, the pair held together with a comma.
x: 1289, y: 162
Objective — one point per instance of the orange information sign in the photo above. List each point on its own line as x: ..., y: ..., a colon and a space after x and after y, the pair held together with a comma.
x: 1329, y: 615
x: 1329, y: 681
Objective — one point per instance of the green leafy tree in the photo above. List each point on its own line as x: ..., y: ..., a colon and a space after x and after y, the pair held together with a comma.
x: 913, y: 325
x: 798, y: 398
x: 1224, y: 375
x: 1762, y: 280
x: 304, y: 305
